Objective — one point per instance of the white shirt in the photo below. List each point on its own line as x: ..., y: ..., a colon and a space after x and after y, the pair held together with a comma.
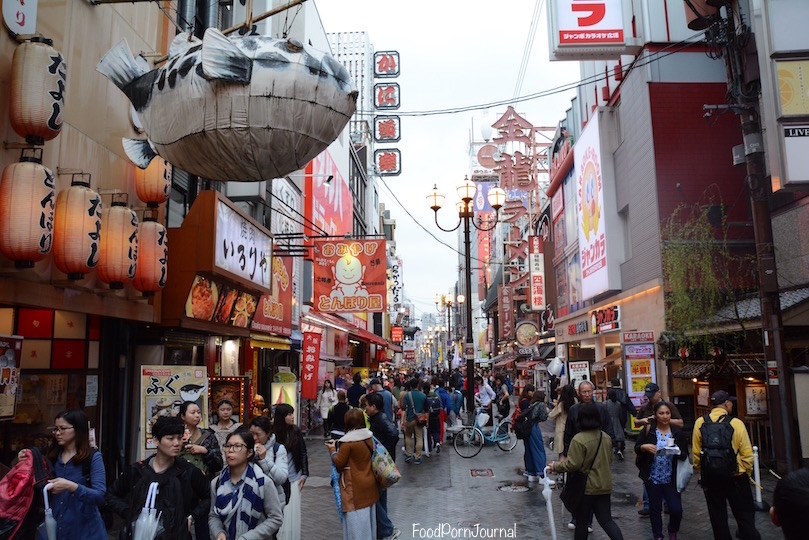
x: 486, y: 395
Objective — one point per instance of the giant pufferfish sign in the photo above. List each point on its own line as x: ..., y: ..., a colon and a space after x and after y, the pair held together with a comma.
x: 349, y: 275
x: 244, y: 109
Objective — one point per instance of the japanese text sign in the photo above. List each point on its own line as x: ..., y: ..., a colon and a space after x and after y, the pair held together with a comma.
x: 349, y: 276
x: 242, y: 247
x: 310, y: 361
x: 396, y: 334
x: 387, y: 96
x: 10, y: 352
x: 536, y: 265
x: 388, y: 161
x: 20, y: 16
x: 387, y: 129
x: 386, y: 64
x: 506, y: 312
x: 274, y: 313
x: 590, y: 22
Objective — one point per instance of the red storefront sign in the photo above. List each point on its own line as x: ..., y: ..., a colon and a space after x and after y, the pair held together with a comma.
x: 349, y: 276
x: 310, y: 349
x: 274, y: 312
x: 506, y: 304
x: 396, y: 334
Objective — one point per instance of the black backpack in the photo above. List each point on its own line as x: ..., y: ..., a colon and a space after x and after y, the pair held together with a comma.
x: 106, y: 513
x: 526, y: 420
x: 717, y: 457
x: 433, y: 405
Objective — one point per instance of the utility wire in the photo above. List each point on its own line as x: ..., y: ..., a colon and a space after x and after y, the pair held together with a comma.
x: 529, y: 45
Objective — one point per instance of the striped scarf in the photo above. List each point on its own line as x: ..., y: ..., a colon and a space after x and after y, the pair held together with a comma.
x: 240, y: 505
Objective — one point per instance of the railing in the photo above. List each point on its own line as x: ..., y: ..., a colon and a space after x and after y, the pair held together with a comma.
x: 761, y: 436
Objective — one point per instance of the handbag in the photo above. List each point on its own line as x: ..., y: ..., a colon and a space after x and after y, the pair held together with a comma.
x: 421, y: 418
x: 385, y: 470
x: 685, y: 469
x: 573, y: 492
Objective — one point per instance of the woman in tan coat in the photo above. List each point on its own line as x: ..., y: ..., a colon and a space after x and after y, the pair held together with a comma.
x: 358, y: 489
x: 566, y: 399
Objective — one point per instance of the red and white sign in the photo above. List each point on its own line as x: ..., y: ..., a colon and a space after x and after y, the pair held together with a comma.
x: 349, y: 276
x: 506, y: 304
x: 274, y: 312
x: 387, y: 129
x: 536, y: 268
x: 328, y: 205
x: 388, y: 161
x: 590, y: 22
x: 310, y: 349
x: 396, y: 334
x: 20, y: 16
x: 387, y: 96
x: 386, y: 64
x: 409, y: 354
x: 605, y: 320
x: 638, y: 337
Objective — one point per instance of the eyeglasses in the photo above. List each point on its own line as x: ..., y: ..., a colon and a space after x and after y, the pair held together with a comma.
x: 60, y: 429
x: 234, y: 447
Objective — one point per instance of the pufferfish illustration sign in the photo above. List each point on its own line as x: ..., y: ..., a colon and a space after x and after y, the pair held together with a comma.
x: 349, y: 276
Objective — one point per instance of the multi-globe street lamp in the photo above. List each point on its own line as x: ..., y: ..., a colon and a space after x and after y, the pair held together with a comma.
x: 496, y: 197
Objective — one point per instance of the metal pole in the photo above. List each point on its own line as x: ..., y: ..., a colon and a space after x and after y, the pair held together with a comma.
x: 470, y: 357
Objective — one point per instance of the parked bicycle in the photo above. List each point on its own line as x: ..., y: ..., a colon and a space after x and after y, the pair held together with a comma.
x: 469, y: 440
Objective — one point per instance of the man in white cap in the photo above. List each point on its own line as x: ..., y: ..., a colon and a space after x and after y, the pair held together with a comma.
x: 723, y: 454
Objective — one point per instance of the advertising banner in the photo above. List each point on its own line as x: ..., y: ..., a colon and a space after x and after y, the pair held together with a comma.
x: 579, y: 371
x: 506, y: 303
x: 639, y: 369
x: 162, y: 390
x: 309, y: 365
x: 536, y: 268
x: 349, y: 276
x: 10, y: 353
x: 274, y: 313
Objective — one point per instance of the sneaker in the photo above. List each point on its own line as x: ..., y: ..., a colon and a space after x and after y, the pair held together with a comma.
x: 394, y: 535
x: 589, y: 529
x: 571, y: 526
x: 643, y: 512
x: 408, y: 459
x: 532, y: 478
x: 620, y: 456
x: 438, y: 448
x: 418, y: 461
x: 527, y: 474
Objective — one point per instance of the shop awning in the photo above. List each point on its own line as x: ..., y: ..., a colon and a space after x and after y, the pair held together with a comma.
x: 747, y: 365
x: 266, y: 341
x: 338, y: 360
x: 503, y: 360
x: 546, y: 351
x: 693, y: 369
x: 601, y: 365
x: 394, y: 347
x: 365, y: 335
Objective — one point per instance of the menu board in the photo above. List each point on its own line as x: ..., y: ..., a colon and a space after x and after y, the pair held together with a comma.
x: 214, y: 301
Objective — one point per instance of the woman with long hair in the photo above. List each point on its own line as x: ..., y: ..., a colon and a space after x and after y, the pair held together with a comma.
x: 325, y: 401
x: 200, y: 446
x: 244, y: 500
x: 566, y: 399
x: 291, y: 437
x: 358, y: 489
x: 74, y: 500
x: 271, y: 455
x: 591, y: 453
x: 658, y: 469
x: 225, y: 424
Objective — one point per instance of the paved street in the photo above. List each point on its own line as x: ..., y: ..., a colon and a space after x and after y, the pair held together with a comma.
x: 442, y: 490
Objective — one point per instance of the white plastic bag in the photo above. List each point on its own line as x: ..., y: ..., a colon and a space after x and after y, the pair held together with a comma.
x: 684, y: 471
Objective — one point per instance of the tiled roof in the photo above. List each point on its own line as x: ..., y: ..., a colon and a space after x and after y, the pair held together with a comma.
x: 750, y: 308
x: 693, y: 369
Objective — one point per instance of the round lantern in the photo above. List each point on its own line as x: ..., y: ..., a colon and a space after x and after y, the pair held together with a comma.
x: 153, y: 254
x: 37, y: 94
x: 77, y: 229
x: 119, y: 243
x: 26, y: 211
x: 153, y: 185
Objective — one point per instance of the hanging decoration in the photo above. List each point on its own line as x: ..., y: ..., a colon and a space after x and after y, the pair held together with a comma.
x: 119, y: 243
x: 153, y: 253
x: 153, y: 184
x: 26, y: 210
x: 77, y: 228
x: 280, y: 104
x: 37, y: 93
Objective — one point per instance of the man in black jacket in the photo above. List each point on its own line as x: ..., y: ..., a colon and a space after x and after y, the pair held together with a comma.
x: 355, y: 391
x: 384, y: 430
x: 184, y: 492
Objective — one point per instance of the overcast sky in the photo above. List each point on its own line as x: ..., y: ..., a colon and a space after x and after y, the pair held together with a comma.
x: 452, y: 53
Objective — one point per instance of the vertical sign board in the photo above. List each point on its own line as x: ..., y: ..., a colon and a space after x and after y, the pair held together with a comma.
x: 388, y: 162
x: 536, y: 266
x: 639, y: 354
x: 579, y: 371
x: 386, y: 64
x: 310, y: 349
x: 10, y: 354
x: 387, y: 128
x: 506, y: 312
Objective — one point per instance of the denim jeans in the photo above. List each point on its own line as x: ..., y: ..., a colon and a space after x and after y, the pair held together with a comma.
x: 384, y: 527
x: 658, y: 493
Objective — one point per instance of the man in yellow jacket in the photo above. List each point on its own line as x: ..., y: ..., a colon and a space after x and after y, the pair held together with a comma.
x: 734, y: 487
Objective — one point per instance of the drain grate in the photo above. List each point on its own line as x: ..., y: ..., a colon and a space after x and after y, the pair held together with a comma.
x: 514, y: 488
x: 481, y: 473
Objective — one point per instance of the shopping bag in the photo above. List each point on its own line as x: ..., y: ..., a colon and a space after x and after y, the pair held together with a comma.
x: 384, y: 467
x: 684, y: 471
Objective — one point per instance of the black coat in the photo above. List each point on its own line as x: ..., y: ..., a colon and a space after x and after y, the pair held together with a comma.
x: 384, y: 430
x: 571, y: 429
x: 644, y: 459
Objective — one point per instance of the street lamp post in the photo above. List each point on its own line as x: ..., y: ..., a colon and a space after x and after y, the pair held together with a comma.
x: 496, y: 198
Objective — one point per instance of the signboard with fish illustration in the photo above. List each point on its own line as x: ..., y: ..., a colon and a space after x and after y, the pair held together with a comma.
x: 233, y: 108
x: 10, y: 353
x: 163, y: 389
x: 349, y: 276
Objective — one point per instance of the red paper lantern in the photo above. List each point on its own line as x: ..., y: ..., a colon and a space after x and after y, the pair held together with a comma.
x: 153, y: 185
x: 77, y: 229
x: 153, y: 254
x: 37, y: 93
x: 119, y: 244
x: 26, y: 211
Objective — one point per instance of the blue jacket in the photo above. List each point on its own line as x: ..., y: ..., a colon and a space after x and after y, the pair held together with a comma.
x: 77, y: 515
x: 446, y: 400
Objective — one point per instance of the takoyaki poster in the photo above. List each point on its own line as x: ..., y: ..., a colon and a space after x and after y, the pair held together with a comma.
x: 163, y: 390
x: 349, y: 276
x: 10, y: 351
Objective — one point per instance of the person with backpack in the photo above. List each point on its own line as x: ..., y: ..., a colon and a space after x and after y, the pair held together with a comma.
x: 184, y: 494
x: 271, y: 456
x: 433, y: 407
x: 658, y: 469
x: 245, y: 502
x: 533, y: 411
x: 723, y: 454
x: 75, y: 495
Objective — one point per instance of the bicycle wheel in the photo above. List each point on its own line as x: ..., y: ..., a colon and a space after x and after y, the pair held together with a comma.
x: 468, y: 442
x: 505, y: 437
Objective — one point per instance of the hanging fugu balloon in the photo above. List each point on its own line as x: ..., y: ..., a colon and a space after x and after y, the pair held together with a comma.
x: 246, y: 109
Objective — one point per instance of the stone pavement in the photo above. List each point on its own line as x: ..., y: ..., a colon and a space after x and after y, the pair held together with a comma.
x: 441, y: 492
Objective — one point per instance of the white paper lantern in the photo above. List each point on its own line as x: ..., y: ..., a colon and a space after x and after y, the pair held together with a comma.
x: 119, y: 244
x: 37, y: 93
x: 153, y: 253
x: 77, y: 229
